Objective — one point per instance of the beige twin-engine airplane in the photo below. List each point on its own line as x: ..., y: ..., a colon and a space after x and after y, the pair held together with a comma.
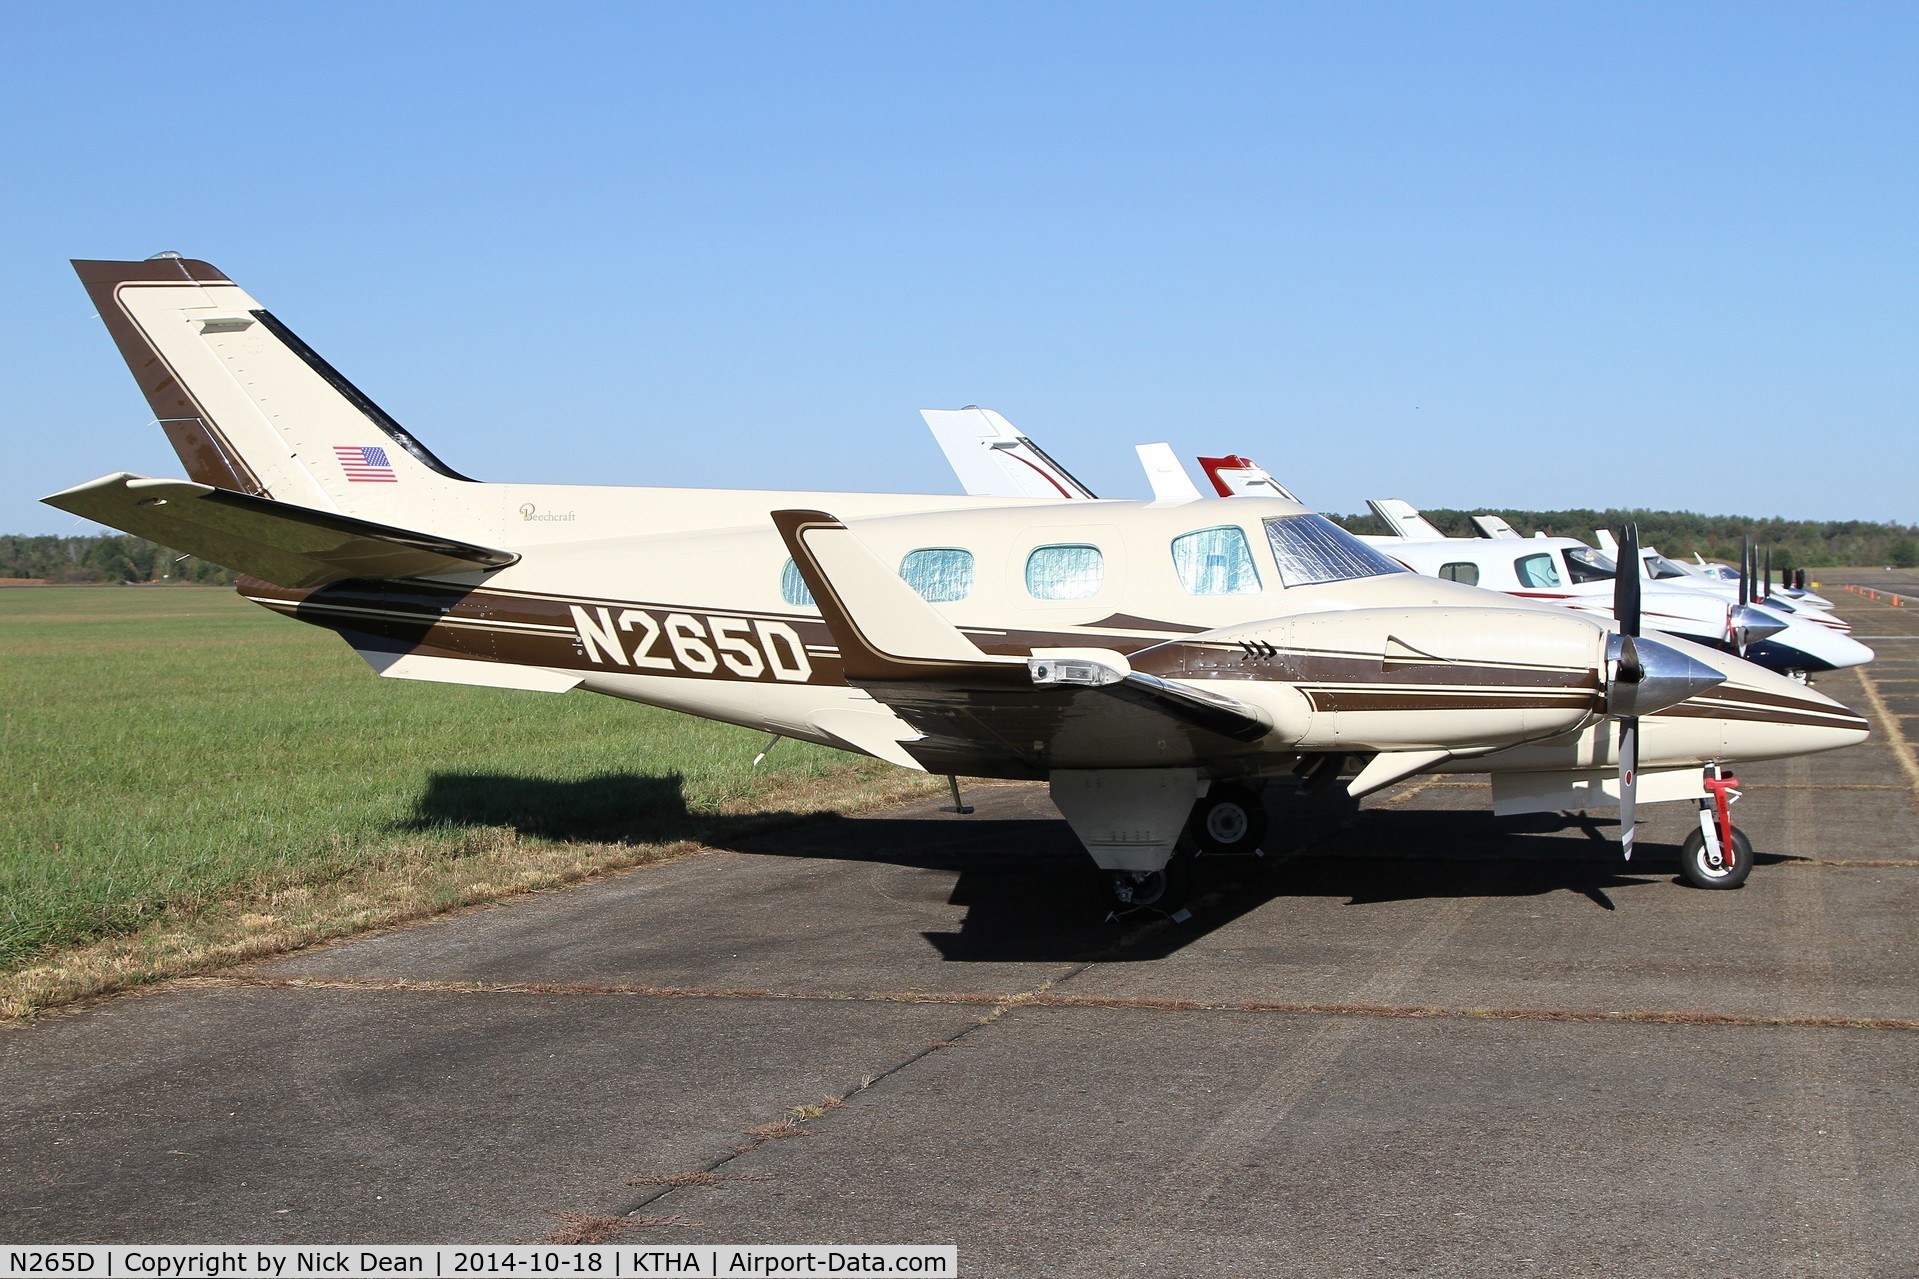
x: 1156, y: 663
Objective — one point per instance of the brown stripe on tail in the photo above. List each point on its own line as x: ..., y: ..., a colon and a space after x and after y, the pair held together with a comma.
x: 207, y: 455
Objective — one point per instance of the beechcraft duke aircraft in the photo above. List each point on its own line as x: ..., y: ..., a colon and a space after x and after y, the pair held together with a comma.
x: 1156, y: 663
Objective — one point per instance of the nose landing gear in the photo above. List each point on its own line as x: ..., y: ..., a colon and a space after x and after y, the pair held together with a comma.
x: 1718, y: 854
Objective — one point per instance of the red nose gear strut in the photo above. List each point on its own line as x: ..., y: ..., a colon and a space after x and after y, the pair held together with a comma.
x: 1724, y: 790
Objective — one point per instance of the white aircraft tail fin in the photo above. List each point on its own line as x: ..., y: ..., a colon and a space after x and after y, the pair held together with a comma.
x: 1163, y: 471
x: 251, y: 408
x: 1236, y: 476
x: 1607, y: 542
x: 1493, y: 526
x: 1403, y: 518
x: 992, y: 459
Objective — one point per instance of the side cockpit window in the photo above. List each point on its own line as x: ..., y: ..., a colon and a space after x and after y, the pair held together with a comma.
x: 1588, y: 565
x: 941, y: 575
x: 1216, y: 561
x: 1460, y: 571
x: 1065, y: 572
x: 1536, y: 570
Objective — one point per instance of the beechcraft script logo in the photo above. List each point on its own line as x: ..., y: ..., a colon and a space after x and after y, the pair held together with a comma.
x: 365, y: 464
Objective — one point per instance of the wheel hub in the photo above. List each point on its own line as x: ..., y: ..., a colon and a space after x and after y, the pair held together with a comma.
x: 1227, y: 824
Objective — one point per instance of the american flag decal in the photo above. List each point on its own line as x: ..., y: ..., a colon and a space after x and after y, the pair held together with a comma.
x: 365, y: 464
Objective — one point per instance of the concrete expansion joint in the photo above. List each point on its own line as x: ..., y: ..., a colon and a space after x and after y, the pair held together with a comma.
x: 1049, y: 996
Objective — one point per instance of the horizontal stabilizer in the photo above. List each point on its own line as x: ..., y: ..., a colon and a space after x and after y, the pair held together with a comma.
x: 291, y: 546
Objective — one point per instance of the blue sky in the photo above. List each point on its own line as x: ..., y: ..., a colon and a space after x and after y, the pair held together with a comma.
x: 1466, y: 254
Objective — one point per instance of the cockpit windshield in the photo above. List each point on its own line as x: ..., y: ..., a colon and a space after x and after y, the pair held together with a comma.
x: 1658, y: 567
x: 1588, y: 565
x: 1311, y: 548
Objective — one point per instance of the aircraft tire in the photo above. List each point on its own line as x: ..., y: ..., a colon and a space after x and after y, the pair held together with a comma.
x: 1229, y: 822
x: 1161, y: 890
x: 1701, y: 873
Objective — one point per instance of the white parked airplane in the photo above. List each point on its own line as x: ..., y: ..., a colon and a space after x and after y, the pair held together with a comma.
x: 1779, y: 635
x: 1155, y: 662
x: 1728, y: 581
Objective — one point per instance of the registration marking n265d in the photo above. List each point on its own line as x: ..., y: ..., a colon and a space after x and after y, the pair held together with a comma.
x: 692, y: 644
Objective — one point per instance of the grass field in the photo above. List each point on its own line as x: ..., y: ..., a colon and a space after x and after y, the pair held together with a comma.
x: 189, y: 776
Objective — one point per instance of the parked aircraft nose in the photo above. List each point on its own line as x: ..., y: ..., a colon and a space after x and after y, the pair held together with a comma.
x: 1756, y: 623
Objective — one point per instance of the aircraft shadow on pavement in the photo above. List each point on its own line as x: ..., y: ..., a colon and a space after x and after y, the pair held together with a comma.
x: 615, y: 808
x: 1032, y: 895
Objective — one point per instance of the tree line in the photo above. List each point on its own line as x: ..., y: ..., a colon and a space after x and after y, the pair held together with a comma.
x: 1681, y: 534
x: 112, y: 557
x: 118, y: 557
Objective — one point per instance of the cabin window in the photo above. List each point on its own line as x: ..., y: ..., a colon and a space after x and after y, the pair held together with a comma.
x: 1311, y: 548
x: 1460, y: 571
x: 1588, y: 565
x: 1064, y: 572
x: 1536, y: 570
x: 941, y: 575
x: 1216, y: 561
x: 793, y: 587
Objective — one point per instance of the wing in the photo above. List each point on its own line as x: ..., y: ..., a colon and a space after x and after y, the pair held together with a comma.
x: 989, y: 714
x: 291, y: 546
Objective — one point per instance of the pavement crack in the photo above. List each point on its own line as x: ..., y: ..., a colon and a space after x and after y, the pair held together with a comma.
x: 790, y: 1125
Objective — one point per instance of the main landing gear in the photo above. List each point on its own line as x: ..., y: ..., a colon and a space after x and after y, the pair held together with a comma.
x: 1718, y: 854
x: 1163, y: 889
x: 1229, y: 821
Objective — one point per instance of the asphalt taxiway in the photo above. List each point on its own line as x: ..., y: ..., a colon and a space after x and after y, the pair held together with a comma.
x: 1414, y: 1040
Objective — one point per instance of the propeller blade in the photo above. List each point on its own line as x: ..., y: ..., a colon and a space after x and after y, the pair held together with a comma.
x: 1625, y: 599
x: 1628, y: 781
x: 1745, y: 571
x: 1765, y: 580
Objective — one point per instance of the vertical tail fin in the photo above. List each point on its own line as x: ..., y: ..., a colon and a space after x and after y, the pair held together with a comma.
x: 245, y: 403
x: 992, y: 459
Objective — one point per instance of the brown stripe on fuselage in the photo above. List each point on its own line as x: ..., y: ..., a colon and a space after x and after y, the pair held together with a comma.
x: 1187, y: 660
x: 1808, y: 716
x: 534, y: 629
x: 1324, y: 698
